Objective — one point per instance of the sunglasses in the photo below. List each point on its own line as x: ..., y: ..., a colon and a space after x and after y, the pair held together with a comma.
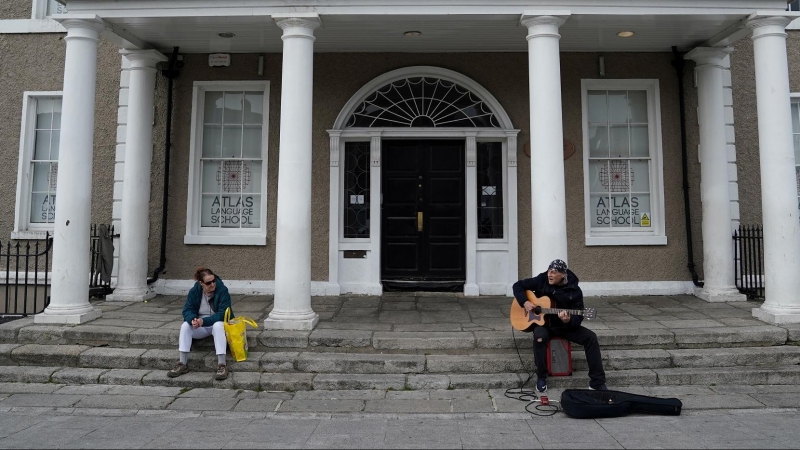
x: 209, y: 283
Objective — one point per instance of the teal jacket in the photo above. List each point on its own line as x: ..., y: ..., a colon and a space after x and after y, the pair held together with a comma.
x: 219, y: 303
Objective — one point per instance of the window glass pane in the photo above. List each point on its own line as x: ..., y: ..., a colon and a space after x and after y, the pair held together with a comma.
x: 56, y: 114
x: 620, y: 141
x: 42, y: 146
x: 209, y: 214
x: 41, y: 176
x: 232, y: 141
x: 596, y: 170
x: 210, y: 183
x: 641, y: 208
x: 251, y: 211
x: 55, y: 139
x: 212, y: 141
x: 251, y: 145
x: 598, y: 108
x: 640, y: 176
x: 598, y: 141
x: 490, y: 190
x: 796, y: 148
x: 640, y: 141
x: 599, y: 210
x: 618, y: 106
x: 638, y: 106
x: 53, y: 7
x: 621, y: 211
x: 230, y: 212
x: 615, y: 177
x: 213, y: 107
x: 254, y: 108
x: 44, y: 114
x: 233, y: 108
x: 356, y: 190
x: 251, y: 177
x: 43, y: 208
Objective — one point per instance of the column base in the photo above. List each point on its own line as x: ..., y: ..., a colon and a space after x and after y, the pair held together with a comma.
x: 46, y: 318
x: 720, y: 294
x: 130, y: 295
x: 471, y: 290
x: 284, y: 321
x: 779, y: 316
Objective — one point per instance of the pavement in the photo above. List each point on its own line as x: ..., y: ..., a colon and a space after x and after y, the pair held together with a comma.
x: 49, y: 415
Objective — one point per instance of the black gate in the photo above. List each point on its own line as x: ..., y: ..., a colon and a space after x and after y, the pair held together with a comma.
x: 748, y: 257
x: 26, y: 267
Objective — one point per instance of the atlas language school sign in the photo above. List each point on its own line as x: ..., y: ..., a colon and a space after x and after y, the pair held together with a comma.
x: 619, y: 211
x: 233, y: 210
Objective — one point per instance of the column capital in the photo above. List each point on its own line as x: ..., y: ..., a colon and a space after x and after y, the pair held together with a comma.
x: 81, y: 21
x: 533, y: 18
x: 768, y: 25
x: 709, y: 56
x: 298, y: 24
x: 143, y: 59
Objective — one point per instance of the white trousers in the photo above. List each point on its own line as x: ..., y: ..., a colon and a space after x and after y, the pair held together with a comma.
x: 188, y: 333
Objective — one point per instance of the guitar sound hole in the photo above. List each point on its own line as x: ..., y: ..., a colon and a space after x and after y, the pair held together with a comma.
x: 537, y: 310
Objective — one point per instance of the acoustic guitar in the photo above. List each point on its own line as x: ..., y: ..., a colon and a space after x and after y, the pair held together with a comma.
x: 522, y: 320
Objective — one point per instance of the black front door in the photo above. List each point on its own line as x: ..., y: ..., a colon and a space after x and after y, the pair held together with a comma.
x: 422, y: 216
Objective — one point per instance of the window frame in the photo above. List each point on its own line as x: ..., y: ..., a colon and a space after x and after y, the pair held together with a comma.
x: 39, y: 9
x: 195, y: 233
x: 23, y: 228
x: 656, y: 235
x: 794, y: 99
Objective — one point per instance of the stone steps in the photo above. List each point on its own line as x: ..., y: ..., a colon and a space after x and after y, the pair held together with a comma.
x: 23, y: 332
x: 755, y: 375
x: 344, y: 362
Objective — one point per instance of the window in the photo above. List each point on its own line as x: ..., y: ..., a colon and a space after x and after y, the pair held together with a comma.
x: 490, y: 190
x: 793, y: 5
x: 38, y: 164
x: 227, y: 178
x: 622, y: 163
x: 41, y: 9
x: 796, y: 139
x: 54, y: 7
x: 356, y: 190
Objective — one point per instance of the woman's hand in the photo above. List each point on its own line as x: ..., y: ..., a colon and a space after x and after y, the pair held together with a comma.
x: 564, y: 316
x: 197, y: 322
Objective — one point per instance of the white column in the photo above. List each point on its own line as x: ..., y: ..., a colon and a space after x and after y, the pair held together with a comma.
x: 375, y: 287
x: 333, y: 212
x: 778, y: 179
x: 718, y: 281
x: 471, y: 286
x: 292, y: 309
x: 69, y: 301
x: 132, y: 278
x: 548, y: 200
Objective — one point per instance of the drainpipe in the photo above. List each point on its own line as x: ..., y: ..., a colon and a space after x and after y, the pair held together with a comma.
x: 679, y: 64
x: 170, y: 73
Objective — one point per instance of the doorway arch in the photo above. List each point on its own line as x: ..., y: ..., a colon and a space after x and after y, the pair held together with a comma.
x: 418, y: 103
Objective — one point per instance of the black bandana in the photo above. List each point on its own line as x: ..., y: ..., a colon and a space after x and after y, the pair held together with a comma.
x: 558, y: 265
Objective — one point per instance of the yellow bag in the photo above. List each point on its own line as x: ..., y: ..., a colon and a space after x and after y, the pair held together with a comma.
x: 236, y: 334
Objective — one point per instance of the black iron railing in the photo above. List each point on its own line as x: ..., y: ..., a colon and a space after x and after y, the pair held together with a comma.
x: 26, y: 267
x: 748, y: 257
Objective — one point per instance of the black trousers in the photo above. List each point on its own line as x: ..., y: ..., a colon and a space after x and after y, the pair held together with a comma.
x: 581, y: 336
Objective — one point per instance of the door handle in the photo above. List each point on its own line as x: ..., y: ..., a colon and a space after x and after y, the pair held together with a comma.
x: 419, y: 221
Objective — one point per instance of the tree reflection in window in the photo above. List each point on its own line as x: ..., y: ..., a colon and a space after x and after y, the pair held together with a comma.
x: 490, y: 190
x: 356, y: 190
x: 423, y: 102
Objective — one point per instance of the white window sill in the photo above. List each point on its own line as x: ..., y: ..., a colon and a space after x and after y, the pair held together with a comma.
x: 260, y: 239
x: 22, y: 26
x: 30, y: 235
x: 626, y: 240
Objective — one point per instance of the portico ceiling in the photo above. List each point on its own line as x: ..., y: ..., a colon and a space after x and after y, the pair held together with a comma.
x: 458, y: 29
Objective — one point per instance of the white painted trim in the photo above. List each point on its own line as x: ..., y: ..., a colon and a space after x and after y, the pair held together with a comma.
x: 657, y: 234
x: 30, y: 235
x: 422, y: 71
x: 620, y: 288
x: 27, y: 141
x: 195, y: 234
x: 25, y: 26
x: 247, y: 287
x: 440, y: 133
x: 32, y: 276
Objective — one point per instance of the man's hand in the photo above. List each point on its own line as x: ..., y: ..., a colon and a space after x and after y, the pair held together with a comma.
x: 564, y: 316
x: 528, y: 306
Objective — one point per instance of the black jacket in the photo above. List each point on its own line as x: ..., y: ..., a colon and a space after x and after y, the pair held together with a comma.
x: 567, y: 296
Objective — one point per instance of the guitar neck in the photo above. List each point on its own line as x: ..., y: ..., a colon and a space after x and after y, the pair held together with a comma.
x: 572, y: 312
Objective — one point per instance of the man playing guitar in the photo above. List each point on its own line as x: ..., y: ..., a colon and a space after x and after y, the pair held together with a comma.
x: 561, y: 285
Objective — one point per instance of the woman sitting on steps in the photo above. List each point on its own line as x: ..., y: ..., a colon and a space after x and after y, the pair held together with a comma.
x: 203, y: 316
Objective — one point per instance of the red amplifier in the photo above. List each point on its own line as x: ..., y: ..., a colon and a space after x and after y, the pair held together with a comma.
x: 559, y: 357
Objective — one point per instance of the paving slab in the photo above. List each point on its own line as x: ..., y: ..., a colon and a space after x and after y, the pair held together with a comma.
x: 743, y: 356
x: 124, y: 376
x: 125, y: 401
x: 278, y: 361
x: 257, y: 405
x: 5, y: 353
x: 151, y: 391
x: 57, y: 355
x: 167, y: 337
x: 484, y: 381
x: 77, y: 375
x: 422, y: 341
x: 28, y: 374
x: 756, y: 335
x: 490, y: 363
x: 29, y: 388
x: 284, y: 339
x: 408, y: 406
x: 97, y: 334
x: 287, y: 381
x: 359, y: 381
x: 82, y: 389
x: 112, y: 358
x: 42, y: 334
x: 9, y: 330
x: 340, y: 338
x: 191, y: 379
x: 331, y: 406
x: 423, y: 381
x: 204, y: 404
x: 47, y: 400
x: 359, y: 363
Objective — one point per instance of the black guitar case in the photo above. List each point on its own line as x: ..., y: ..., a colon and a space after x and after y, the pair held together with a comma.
x: 589, y: 404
